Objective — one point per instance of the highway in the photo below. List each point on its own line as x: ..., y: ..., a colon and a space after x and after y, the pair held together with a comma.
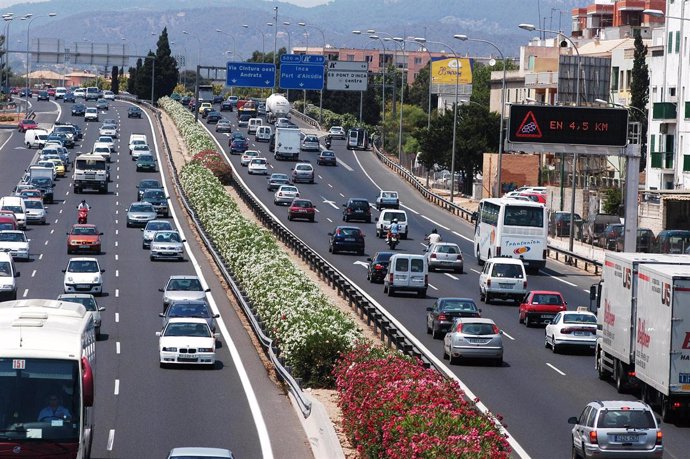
x: 142, y: 410
x: 535, y: 391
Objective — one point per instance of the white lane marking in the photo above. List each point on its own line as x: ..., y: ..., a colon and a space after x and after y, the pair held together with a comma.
x: 464, y: 237
x: 116, y: 257
x: 33, y: 273
x: 342, y: 195
x: 52, y: 231
x: 60, y: 211
x: 410, y: 209
x: 116, y: 221
x: 330, y: 203
x: 564, y: 281
x: 46, y: 243
x: 475, y: 271
x: 117, y: 347
x: 117, y: 232
x: 117, y: 211
x: 117, y: 273
x: 117, y: 317
x: 320, y: 178
x: 56, y: 220
x: 117, y: 293
x: 329, y: 219
x: 117, y: 177
x: 344, y: 164
x: 26, y: 292
x: 40, y: 257
x: 451, y: 276
x: 67, y: 194
x: 117, y: 387
x: 508, y: 336
x: 435, y: 223
x: 585, y: 290
x: 555, y: 369
x: 433, y: 287
x: 361, y: 263
x: 111, y: 439
x: 115, y: 243
x: 117, y: 185
x: 330, y: 185
x: 117, y: 203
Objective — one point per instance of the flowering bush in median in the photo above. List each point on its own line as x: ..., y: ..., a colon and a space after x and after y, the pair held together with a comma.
x: 393, y: 407
x: 213, y: 161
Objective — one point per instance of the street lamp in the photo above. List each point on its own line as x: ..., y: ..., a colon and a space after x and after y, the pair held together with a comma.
x: 400, y: 42
x: 289, y: 36
x: 263, y: 42
x: 383, y: 88
x: 503, y: 101
x: 233, y: 40
x: 28, y: 60
x: 323, y: 51
x: 455, y: 110
x: 196, y: 79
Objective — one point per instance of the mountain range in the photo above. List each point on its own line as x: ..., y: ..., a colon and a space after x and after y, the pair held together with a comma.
x: 137, y: 23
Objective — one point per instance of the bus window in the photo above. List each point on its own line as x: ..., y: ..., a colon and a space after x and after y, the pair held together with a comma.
x: 524, y: 216
x: 490, y: 213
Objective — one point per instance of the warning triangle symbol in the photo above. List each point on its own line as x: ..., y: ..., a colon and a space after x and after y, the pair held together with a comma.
x: 529, y: 128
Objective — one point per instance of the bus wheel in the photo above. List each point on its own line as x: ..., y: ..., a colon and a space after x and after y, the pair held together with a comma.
x: 480, y: 262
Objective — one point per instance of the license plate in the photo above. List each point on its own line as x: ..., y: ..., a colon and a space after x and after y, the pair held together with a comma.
x: 546, y: 316
x: 510, y: 286
x: 84, y: 246
x: 580, y: 333
x: 359, y: 211
x: 684, y: 378
x: 83, y: 286
x: 189, y: 357
x: 476, y: 341
x: 349, y: 239
x: 625, y: 438
x: 302, y: 211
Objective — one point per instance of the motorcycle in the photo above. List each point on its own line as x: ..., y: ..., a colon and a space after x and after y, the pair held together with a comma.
x: 82, y: 216
x: 328, y: 143
x: 392, y: 240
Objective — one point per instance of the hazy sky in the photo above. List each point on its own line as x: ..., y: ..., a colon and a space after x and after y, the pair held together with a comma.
x: 305, y: 3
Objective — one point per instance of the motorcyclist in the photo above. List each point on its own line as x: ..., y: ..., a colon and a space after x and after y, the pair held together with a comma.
x: 433, y: 237
x: 328, y: 141
x: 83, y: 205
x: 394, y: 229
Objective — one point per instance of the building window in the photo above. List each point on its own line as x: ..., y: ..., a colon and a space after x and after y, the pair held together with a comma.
x: 677, y: 42
x: 417, y: 60
x: 672, y: 92
x: 670, y: 42
x: 628, y: 78
x: 368, y: 58
x: 415, y: 75
x: 614, y: 79
x: 350, y: 57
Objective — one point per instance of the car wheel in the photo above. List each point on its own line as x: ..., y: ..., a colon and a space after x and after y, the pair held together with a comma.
x: 528, y: 323
x: 546, y: 341
x: 436, y: 334
x: 428, y: 328
x: 289, y: 217
x: 487, y: 298
x: 311, y: 219
x: 520, y: 319
x: 453, y: 360
x: 445, y: 354
x: 499, y: 362
x: 482, y: 297
x: 404, y: 235
x: 390, y: 291
x: 555, y: 348
x: 152, y: 258
x: 422, y: 293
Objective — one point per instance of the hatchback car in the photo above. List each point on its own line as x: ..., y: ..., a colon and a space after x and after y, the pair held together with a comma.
x: 147, y: 184
x: 43, y: 95
x: 473, y: 337
x: 540, y: 307
x: 16, y: 244
x: 69, y: 98
x: 226, y: 106
x: 102, y: 104
x: 610, y: 235
x: 35, y: 210
x: 303, y: 172
x: 187, y: 340
x: 238, y: 146
x: 377, y: 266
x: 346, y: 239
x: 108, y: 129
x: 301, y: 209
x: 285, y: 194
x: 181, y: 287
x: 140, y: 213
x: 337, y: 132
x: 150, y: 229
x: 615, y: 429
x: 387, y: 200
x: 310, y: 143
x: 90, y: 304
x: 190, y: 308
x: 84, y: 238
x: 327, y: 158
x: 146, y: 163
x: 167, y: 244
x: 444, y: 255
x: 503, y: 278
x: 276, y: 180
x: 441, y: 315
x: 134, y: 112
x: 248, y: 156
x: 357, y: 209
x: 83, y: 275
x: 26, y: 124
x: 572, y: 329
x: 213, y: 117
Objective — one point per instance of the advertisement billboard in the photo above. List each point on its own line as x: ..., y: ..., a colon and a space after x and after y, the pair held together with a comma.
x: 445, y: 70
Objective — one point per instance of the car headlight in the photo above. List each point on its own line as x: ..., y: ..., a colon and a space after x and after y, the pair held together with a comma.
x: 6, y: 287
x: 169, y: 349
x: 205, y: 349
x: 97, y: 279
x: 69, y: 279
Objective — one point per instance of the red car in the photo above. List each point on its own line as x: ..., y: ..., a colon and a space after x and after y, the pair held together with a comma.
x: 540, y: 307
x: 8, y: 221
x: 84, y: 238
x: 26, y: 124
x: 301, y: 208
x: 51, y: 92
x: 536, y: 197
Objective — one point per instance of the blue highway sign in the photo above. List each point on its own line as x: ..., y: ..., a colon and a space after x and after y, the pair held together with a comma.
x: 301, y: 76
x: 290, y: 58
x: 250, y: 75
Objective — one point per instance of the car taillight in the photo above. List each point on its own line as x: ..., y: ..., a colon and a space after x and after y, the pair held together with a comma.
x: 390, y: 277
x: 566, y: 331
x: 378, y: 266
x: 349, y: 211
x: 442, y: 317
x: 433, y: 255
x: 488, y: 282
x: 659, y: 437
x: 593, y: 437
x: 495, y: 329
x: 543, y: 255
x: 498, y: 251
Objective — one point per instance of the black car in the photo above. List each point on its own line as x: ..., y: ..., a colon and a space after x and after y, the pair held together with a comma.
x: 672, y: 241
x: 217, y: 99
x: 226, y: 106
x: 158, y: 199
x: 645, y: 241
x: 185, y: 100
x: 559, y: 224
x: 69, y: 97
x: 275, y: 180
x: 78, y: 109
x: 378, y: 266
x: 357, y: 209
x: 595, y: 225
x: 146, y: 163
x: 346, y: 239
x: 23, y: 93
x: 44, y: 185
x: 611, y: 233
x: 43, y: 95
x: 213, y: 117
x: 327, y: 157
x: 134, y: 112
x: 440, y: 316
x: 102, y: 104
x: 147, y: 184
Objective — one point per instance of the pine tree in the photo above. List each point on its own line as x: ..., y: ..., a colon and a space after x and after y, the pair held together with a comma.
x: 639, y: 92
x: 167, y: 73
x: 114, y: 80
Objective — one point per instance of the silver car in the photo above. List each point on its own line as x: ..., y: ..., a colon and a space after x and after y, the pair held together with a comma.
x: 35, y: 211
x: 473, y: 337
x: 310, y: 143
x: 140, y: 213
x: 190, y: 308
x: 444, y: 255
x: 89, y: 302
x: 150, y: 228
x: 167, y: 244
x: 182, y: 288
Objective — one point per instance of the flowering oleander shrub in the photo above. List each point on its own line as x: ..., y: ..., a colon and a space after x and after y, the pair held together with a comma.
x: 195, y: 137
x: 213, y: 161
x: 393, y: 407
x: 310, y: 332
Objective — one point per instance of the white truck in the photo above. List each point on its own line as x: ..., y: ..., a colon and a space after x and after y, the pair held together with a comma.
x: 35, y: 138
x: 662, y: 339
x: 616, y: 298
x: 277, y: 106
x: 287, y: 144
x: 90, y: 172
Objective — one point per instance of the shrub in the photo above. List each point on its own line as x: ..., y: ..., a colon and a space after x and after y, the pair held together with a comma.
x: 213, y: 161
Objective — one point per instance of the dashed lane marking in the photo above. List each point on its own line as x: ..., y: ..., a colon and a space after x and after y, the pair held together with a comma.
x: 451, y: 276
x: 555, y: 369
x: 33, y: 273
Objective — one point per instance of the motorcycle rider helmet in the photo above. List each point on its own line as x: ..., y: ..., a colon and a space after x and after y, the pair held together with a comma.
x: 434, y: 231
x: 395, y: 220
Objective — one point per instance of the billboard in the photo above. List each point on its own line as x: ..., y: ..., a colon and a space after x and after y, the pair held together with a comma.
x: 445, y: 70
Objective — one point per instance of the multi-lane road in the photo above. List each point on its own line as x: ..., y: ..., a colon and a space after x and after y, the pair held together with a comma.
x: 535, y: 390
x: 142, y: 410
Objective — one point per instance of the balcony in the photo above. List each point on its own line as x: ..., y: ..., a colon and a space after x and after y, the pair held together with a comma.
x: 664, y: 111
x: 541, y: 80
x: 662, y: 160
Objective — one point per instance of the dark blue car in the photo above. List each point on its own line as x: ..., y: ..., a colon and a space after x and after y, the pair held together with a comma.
x: 238, y: 146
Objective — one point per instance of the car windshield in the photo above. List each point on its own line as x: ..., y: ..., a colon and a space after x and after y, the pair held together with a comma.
x: 187, y: 329
x: 347, y: 232
x: 258, y: 162
x: 88, y: 302
x: 507, y: 270
x: 288, y: 189
x: 187, y: 285
x: 279, y: 177
x: 543, y: 298
x: 524, y: 216
x: 389, y: 216
x: 303, y: 167
x: 383, y: 257
x: 327, y: 153
x: 188, y: 310
x: 457, y: 305
x: 12, y: 237
x: 579, y: 319
x: 105, y: 139
x: 145, y: 158
x: 302, y: 204
x: 144, y: 184
x: 389, y: 195
x: 85, y: 230
x: 625, y: 419
x: 41, y: 181
x: 32, y: 203
x: 141, y: 208
x: 142, y: 147
x: 82, y: 266
x: 154, y: 194
x: 15, y: 209
x: 5, y: 270
x: 158, y: 226
x: 167, y: 236
x: 477, y: 329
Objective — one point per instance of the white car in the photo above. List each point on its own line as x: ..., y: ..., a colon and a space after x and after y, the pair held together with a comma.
x: 138, y: 150
x: 151, y: 228
x: 91, y: 114
x: 102, y: 149
x: 108, y: 129
x: 90, y: 304
x: 503, y: 278
x: 187, y: 340
x: 108, y: 95
x: 310, y: 143
x: 575, y: 329
x: 83, y: 275
x: 285, y: 194
x: 167, y: 244
x: 248, y: 156
x: 107, y: 139
x: 337, y: 132
x: 258, y: 166
x: 80, y: 92
x: 16, y: 243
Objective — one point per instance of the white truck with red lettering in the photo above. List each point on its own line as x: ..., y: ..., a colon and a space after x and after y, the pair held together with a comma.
x: 616, y: 300
x: 662, y: 339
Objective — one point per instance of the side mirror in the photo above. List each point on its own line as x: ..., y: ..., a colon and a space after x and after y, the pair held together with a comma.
x: 184, y: 240
x: 330, y: 234
x: 215, y: 316
x: 207, y: 290
x: 216, y: 335
x: 369, y: 259
x: 161, y: 314
x: 17, y: 274
x: 473, y: 217
x: 158, y: 333
x: 67, y: 234
x: 160, y: 289
x: 344, y: 205
x: 572, y: 420
x: 100, y: 234
x: 479, y: 310
x: 102, y: 271
x: 64, y: 270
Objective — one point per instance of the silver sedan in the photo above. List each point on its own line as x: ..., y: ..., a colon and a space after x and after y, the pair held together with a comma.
x: 167, y: 244
x: 140, y: 213
x: 444, y: 255
x: 285, y: 194
x: 473, y: 337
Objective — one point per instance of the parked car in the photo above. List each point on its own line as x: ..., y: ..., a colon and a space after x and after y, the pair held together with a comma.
x: 594, y: 226
x: 559, y: 224
x: 672, y: 241
x: 441, y: 315
x: 301, y: 208
x: 574, y: 329
x: 645, y: 241
x: 540, y: 307
x: 611, y: 233
x: 377, y: 266
x: 346, y: 239
x: 444, y: 255
x: 357, y: 209
x: 473, y: 337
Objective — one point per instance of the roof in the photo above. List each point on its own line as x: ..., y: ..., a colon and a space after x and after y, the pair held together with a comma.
x: 605, y: 47
x: 81, y: 74
x: 45, y: 75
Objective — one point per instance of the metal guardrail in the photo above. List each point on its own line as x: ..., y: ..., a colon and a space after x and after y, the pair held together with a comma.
x: 306, y: 118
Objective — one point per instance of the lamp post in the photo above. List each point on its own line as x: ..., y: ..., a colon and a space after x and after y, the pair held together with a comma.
x: 196, y: 78
x: 503, y: 102
x: 7, y: 17
x: 234, y: 50
x: 455, y: 110
x: 263, y: 41
x: 323, y: 51
x: 383, y: 91
x: 28, y: 60
x: 400, y: 42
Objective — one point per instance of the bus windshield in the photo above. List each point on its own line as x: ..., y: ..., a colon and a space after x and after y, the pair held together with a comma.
x: 39, y: 400
x: 524, y: 216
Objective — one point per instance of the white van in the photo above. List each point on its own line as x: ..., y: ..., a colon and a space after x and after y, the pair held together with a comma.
x: 8, y: 273
x: 35, y: 138
x: 406, y: 272
x: 384, y: 222
x: 503, y: 278
x: 137, y: 139
x: 263, y: 133
x: 60, y: 92
x: 253, y: 124
x: 15, y: 204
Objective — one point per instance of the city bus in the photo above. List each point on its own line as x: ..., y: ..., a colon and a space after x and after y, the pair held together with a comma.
x: 47, y: 364
x: 511, y: 228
